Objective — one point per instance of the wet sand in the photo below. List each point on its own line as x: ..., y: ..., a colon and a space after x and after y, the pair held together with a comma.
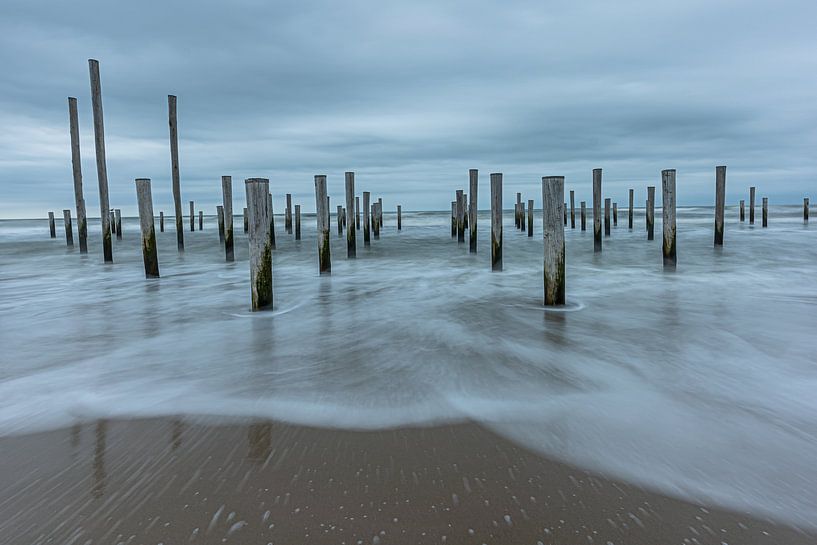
x: 189, y: 481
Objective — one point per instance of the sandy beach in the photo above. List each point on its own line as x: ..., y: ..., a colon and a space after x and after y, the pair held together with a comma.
x: 193, y: 481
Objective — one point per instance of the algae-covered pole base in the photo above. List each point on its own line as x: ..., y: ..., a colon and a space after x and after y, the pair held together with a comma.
x: 460, y: 217
x: 69, y: 230
x: 473, y: 208
x: 496, y: 221
x: 174, y: 170
x: 650, y: 212
x: 288, y: 215
x: 530, y: 217
x: 298, y: 222
x: 367, y: 228
x: 76, y: 168
x: 668, y: 207
x: 553, y: 193
x: 607, y: 217
x: 572, y: 209
x: 259, y: 243
x: 399, y: 218
x: 220, y: 221
x: 149, y: 252
x: 584, y: 215
x: 322, y: 216
x: 765, y: 212
x: 52, y: 226
x: 630, y: 212
x: 596, y: 209
x: 751, y: 206
x: 720, y: 203
x: 351, y: 240
x: 101, y: 163
x: 742, y: 210
x: 227, y: 203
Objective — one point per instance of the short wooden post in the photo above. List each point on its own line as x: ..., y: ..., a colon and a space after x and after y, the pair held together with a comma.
x: 76, y: 168
x: 201, y: 220
x: 742, y: 210
x: 192, y: 217
x: 52, y: 226
x: 322, y: 216
x: 453, y: 219
x: 69, y: 231
x: 113, y: 222
x: 367, y: 235
x: 227, y: 202
x: 496, y: 221
x: 246, y: 220
x: 720, y: 203
x: 460, y: 217
x: 271, y: 221
x: 174, y: 169
x: 584, y: 215
x: 553, y: 194
x: 564, y: 214
x: 572, y: 209
x: 530, y: 217
x: 518, y: 215
x: 596, y: 209
x: 340, y: 220
x: 650, y: 212
x: 805, y: 210
x: 101, y: 165
x: 298, y: 222
x: 162, y: 221
x: 379, y: 213
x: 118, y: 216
x: 375, y: 222
x: 473, y: 208
x: 607, y: 217
x: 668, y: 207
x: 220, y: 220
x: 630, y: 212
x: 751, y: 206
x: 146, y: 227
x: 357, y: 212
x: 765, y: 212
x: 615, y: 214
x: 351, y: 242
x: 399, y: 218
x: 259, y: 243
x: 288, y: 215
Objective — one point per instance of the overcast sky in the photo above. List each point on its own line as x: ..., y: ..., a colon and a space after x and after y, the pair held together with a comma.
x: 410, y: 95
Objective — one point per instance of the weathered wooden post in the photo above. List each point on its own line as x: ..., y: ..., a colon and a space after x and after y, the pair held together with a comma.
x: 473, y: 208
x: 113, y: 222
x: 553, y: 194
x: 465, y: 210
x: 805, y: 210
x: 518, y: 216
x: 596, y: 209
x: 76, y: 169
x: 668, y: 207
x: 162, y: 221
x: 615, y: 214
x: 69, y: 231
x: 357, y: 212
x: 340, y: 220
x: 144, y: 200
x: 630, y: 213
x: 220, y: 220
x: 765, y: 212
x: 322, y: 216
x: 460, y: 217
x: 246, y: 220
x: 379, y: 213
x: 51, y: 225
x: 742, y: 212
x: 572, y: 210
x: 192, y: 217
x: 298, y: 222
x: 530, y: 217
x: 174, y: 169
x: 399, y: 218
x: 496, y: 221
x: 351, y: 242
x: 201, y: 220
x: 607, y: 217
x: 584, y: 215
x: 101, y: 165
x: 259, y: 242
x: 720, y: 203
x: 650, y: 212
x: 367, y: 240
x: 564, y: 210
x: 376, y: 215
x: 227, y: 202
x: 288, y: 215
x: 271, y: 221
x: 453, y: 219
x: 751, y: 205
x: 118, y: 215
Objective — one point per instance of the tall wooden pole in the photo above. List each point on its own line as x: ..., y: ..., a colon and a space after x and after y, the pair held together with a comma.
x: 530, y: 217
x: 668, y: 207
x: 553, y: 194
x: 460, y: 217
x: 174, y: 170
x: 584, y: 215
x: 146, y: 227
x: 357, y: 212
x: 259, y: 243
x: 518, y: 214
x: 340, y: 220
x: 322, y: 216
x: 399, y: 218
x: 192, y: 217
x: 630, y: 213
x: 367, y: 235
x: 765, y: 212
x: 607, y: 217
x: 496, y: 221
x: 596, y: 209
x: 720, y: 203
x: 379, y: 213
x: 271, y: 221
x: 162, y: 221
x: 101, y: 163
x: 69, y: 231
x: 615, y: 214
x: 288, y: 215
x: 805, y: 210
x: 227, y: 193
x: 473, y: 208
x: 650, y: 212
x: 201, y: 220
x: 572, y: 209
x: 751, y: 205
x: 298, y: 222
x: 76, y: 168
x: 351, y: 242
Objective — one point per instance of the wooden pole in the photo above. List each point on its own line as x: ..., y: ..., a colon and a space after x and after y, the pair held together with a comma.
x: 553, y: 194
x: 496, y: 221
x: 69, y: 231
x: 751, y: 206
x: 596, y: 209
x: 162, y: 221
x: 271, y: 221
x: 357, y: 212
x: 805, y: 210
x: 742, y: 210
x: 530, y: 217
x: 201, y: 220
x: 453, y: 219
x: 572, y: 210
x: 367, y: 235
x: 227, y: 202
x: 220, y: 220
x: 564, y: 214
x: 76, y: 168
x: 288, y: 215
x: 113, y: 222
x: 518, y: 215
x: 765, y: 212
x: 473, y: 208
x: 720, y: 203
x: 460, y: 217
x: 340, y: 220
x: 118, y: 215
x: 399, y: 218
x: 615, y: 214
x: 650, y: 212
x: 607, y: 217
x: 174, y: 170
x: 259, y: 243
x: 322, y: 216
x: 192, y: 217
x: 51, y: 225
x: 351, y: 242
x: 668, y: 207
x: 375, y: 222
x: 379, y: 213
x: 630, y: 213
x: 584, y: 215
x: 147, y: 229
x: 298, y: 222
x: 246, y: 217
x: 101, y: 164
x: 465, y: 211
